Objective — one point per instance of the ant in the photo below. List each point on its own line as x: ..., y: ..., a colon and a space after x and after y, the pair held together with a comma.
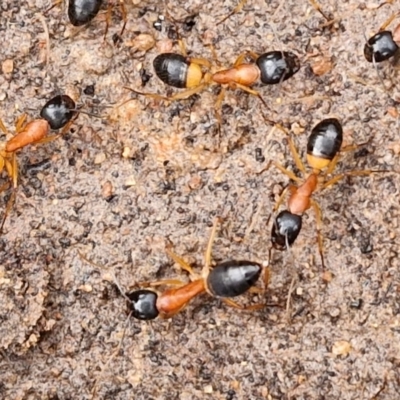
x: 323, y: 150
x: 226, y: 280
x: 57, y: 113
x: 383, y: 45
x: 194, y: 74
x: 81, y: 12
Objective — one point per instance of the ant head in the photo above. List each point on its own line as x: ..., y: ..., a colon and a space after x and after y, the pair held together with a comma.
x: 285, y: 229
x: 143, y: 304
x: 380, y: 47
x: 58, y: 111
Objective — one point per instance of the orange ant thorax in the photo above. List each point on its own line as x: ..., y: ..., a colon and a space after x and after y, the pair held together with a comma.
x: 299, y: 200
x: 33, y: 132
x: 173, y: 300
x: 243, y: 74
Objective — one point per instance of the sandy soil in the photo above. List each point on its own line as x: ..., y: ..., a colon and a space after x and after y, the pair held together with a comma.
x: 116, y: 189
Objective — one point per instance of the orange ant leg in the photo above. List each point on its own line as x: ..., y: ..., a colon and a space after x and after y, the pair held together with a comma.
x: 293, y: 150
x: 178, y: 96
x: 201, y: 61
x: 124, y: 16
x: 166, y: 282
x: 250, y: 91
x: 107, y: 20
x: 2, y: 127
x: 288, y: 173
x: 296, y: 157
x: 237, y: 9
x: 252, y: 307
x: 218, y: 106
x: 242, y: 57
x: 14, y: 170
x: 51, y: 138
x: 56, y: 3
x: 332, y: 165
x: 388, y: 21
x: 19, y: 125
x: 208, y: 253
x: 181, y: 262
x: 319, y: 9
x: 364, y: 172
x: 9, y: 206
x: 318, y: 216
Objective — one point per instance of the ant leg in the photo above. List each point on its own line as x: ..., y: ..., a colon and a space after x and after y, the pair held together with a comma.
x: 288, y: 173
x: 14, y: 170
x: 9, y: 206
x: 252, y: 307
x: 289, y: 298
x: 266, y: 278
x: 113, y: 355
x: 237, y: 9
x: 293, y: 150
x: 124, y: 16
x: 243, y: 56
x: 350, y: 147
x: 49, y: 139
x: 178, y: 96
x: 201, y: 61
x: 166, y: 282
x: 296, y: 156
x: 251, y: 91
x: 107, y: 19
x: 20, y: 123
x: 2, y: 127
x: 318, y: 216
x: 207, y: 256
x: 181, y: 262
x: 218, y: 105
x: 319, y: 9
x: 388, y: 21
x: 332, y: 165
x: 364, y: 172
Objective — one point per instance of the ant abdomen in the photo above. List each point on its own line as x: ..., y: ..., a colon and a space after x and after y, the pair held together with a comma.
x: 233, y: 278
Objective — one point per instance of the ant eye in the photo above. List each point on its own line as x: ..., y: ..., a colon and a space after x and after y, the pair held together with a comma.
x: 143, y: 304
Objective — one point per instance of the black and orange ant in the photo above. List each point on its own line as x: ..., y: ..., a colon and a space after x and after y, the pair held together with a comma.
x: 194, y: 74
x: 323, y: 150
x: 383, y: 46
x: 82, y: 12
x: 226, y: 280
x: 57, y: 113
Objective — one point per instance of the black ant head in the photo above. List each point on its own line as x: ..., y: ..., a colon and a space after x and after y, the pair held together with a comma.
x: 58, y: 111
x: 380, y: 47
x: 143, y: 304
x: 285, y: 229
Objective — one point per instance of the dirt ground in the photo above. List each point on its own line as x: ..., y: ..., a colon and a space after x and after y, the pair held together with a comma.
x: 116, y: 189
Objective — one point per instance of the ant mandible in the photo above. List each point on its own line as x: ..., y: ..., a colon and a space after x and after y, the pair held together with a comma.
x: 323, y: 150
x: 226, y: 280
x: 57, y: 113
